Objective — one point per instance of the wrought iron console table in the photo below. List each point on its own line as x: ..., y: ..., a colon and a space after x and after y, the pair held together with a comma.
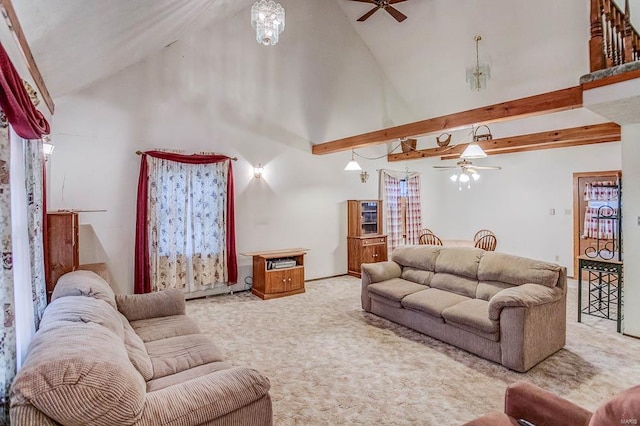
x: 605, y: 288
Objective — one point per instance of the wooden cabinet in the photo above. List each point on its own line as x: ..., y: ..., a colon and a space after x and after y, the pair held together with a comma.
x: 62, y: 247
x: 269, y: 281
x: 365, y: 243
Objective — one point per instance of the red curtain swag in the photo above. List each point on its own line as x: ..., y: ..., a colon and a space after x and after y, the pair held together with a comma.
x: 26, y: 120
x: 142, y: 282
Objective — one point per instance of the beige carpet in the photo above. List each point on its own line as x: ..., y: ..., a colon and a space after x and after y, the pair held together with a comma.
x: 331, y: 363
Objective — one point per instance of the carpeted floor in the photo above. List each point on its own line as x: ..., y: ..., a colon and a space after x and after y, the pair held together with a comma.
x: 330, y: 363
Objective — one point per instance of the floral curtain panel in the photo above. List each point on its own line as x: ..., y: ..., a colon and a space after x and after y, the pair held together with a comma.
x: 185, y: 205
x: 34, y: 166
x: 8, y: 331
x: 598, y: 195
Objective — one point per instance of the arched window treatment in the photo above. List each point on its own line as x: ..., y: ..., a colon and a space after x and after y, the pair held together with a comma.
x: 178, y: 196
x: 25, y: 119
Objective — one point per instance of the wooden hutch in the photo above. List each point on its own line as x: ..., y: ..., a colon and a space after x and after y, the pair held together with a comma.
x: 365, y: 242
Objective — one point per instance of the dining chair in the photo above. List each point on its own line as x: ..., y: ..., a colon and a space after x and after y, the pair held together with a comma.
x: 487, y: 242
x: 430, y: 239
x: 481, y: 233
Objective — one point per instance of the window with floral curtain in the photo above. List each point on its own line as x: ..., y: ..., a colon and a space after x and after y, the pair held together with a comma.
x: 400, y: 192
x: 185, y: 236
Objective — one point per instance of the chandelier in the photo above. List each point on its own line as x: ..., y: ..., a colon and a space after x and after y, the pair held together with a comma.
x: 267, y: 18
x: 478, y: 75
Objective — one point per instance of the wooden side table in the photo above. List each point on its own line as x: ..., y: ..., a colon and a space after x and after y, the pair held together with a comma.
x: 604, y: 287
x: 270, y: 281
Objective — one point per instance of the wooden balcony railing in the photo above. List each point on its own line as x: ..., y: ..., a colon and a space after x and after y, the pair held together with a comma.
x: 613, y: 41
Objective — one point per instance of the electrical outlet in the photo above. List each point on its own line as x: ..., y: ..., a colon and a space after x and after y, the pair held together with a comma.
x: 557, y: 258
x: 638, y: 220
x: 552, y: 212
x: 567, y: 212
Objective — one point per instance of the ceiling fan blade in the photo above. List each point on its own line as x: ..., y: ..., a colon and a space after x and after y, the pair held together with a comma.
x: 392, y: 1
x: 366, y: 1
x: 487, y: 167
x: 443, y: 168
x: 368, y: 14
x: 396, y: 13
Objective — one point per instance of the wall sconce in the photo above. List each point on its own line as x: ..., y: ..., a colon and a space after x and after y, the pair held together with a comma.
x: 364, y: 176
x: 47, y: 147
x: 257, y: 171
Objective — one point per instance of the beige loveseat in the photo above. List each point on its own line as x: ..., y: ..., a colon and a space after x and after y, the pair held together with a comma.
x: 507, y: 309
x: 101, y: 359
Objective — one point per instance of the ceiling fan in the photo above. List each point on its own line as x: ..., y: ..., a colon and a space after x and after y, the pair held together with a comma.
x: 466, y: 172
x: 383, y: 4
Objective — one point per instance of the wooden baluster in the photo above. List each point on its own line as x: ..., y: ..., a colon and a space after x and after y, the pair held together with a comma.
x: 608, y: 34
x: 596, y: 42
x: 619, y: 23
x: 628, y: 35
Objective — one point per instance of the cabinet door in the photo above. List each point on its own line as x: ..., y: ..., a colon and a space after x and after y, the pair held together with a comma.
x: 62, y: 246
x: 276, y: 281
x: 295, y: 279
x: 381, y: 252
x: 369, y: 253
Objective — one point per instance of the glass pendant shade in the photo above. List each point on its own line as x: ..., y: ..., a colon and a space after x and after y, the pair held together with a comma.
x: 353, y: 164
x: 267, y: 18
x: 473, y: 151
x: 477, y: 77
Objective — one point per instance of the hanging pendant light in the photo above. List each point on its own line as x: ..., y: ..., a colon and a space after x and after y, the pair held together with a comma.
x: 478, y: 75
x: 267, y: 18
x: 353, y: 164
x: 472, y: 152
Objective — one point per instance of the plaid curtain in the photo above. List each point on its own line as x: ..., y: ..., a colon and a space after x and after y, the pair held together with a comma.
x: 602, y: 228
x: 414, y: 210
x: 393, y: 213
x: 390, y: 192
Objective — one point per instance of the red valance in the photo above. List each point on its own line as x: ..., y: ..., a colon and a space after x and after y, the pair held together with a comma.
x: 142, y: 282
x: 26, y: 120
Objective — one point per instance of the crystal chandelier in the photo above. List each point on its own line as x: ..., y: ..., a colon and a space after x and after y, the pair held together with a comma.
x: 478, y: 75
x: 267, y: 18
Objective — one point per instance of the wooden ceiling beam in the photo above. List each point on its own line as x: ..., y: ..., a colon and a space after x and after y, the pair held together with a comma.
x: 11, y: 18
x: 583, y: 135
x: 559, y: 100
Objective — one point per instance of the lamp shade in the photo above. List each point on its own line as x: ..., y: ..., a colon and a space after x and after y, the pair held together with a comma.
x: 352, y: 165
x: 473, y: 151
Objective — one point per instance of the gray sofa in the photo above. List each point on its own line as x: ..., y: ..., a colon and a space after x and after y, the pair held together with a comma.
x: 507, y: 309
x: 101, y: 359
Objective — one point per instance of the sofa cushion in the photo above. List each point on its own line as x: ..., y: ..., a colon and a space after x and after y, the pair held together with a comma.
x: 80, y: 374
x: 487, y: 289
x: 183, y: 376
x: 80, y: 309
x: 517, y: 270
x: 473, y: 313
x: 151, y: 305
x: 432, y: 301
x: 456, y: 284
x: 163, y: 327
x: 459, y: 261
x: 384, y: 300
x: 84, y: 283
x: 420, y: 257
x: 395, y: 289
x: 176, y: 354
x: 417, y: 275
x: 136, y: 350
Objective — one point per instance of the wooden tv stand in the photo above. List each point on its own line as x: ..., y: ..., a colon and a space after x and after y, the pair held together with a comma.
x: 271, y: 283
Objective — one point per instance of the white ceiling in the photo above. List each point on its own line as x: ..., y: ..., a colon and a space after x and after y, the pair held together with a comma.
x: 79, y: 42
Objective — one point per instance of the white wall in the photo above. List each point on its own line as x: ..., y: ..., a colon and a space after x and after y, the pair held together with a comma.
x: 218, y: 90
x: 515, y: 202
x: 631, y: 226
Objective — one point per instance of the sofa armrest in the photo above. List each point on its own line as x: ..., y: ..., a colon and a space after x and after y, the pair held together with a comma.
x: 540, y: 407
x: 151, y: 305
x: 380, y: 271
x: 522, y: 296
x: 205, y: 398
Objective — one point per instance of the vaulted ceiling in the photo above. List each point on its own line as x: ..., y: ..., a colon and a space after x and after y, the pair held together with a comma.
x: 77, y: 43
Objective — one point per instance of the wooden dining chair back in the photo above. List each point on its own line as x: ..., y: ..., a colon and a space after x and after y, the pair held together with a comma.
x: 487, y: 242
x: 481, y: 233
x: 430, y: 239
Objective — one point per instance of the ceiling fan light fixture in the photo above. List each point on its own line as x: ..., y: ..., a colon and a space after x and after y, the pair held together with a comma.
x: 454, y: 177
x: 475, y: 176
x: 464, y: 178
x: 472, y: 152
x: 353, y: 164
